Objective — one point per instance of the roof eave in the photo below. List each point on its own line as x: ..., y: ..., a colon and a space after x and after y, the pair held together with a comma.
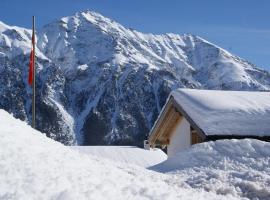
x: 172, y: 102
x: 189, y: 119
x: 153, y: 131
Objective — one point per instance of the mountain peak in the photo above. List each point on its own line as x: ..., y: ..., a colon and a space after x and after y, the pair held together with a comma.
x: 14, y: 40
x: 107, y: 83
x: 88, y: 16
x: 91, y: 13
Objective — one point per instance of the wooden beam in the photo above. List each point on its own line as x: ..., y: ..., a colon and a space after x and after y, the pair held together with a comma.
x: 165, y: 125
x: 154, y: 133
x: 195, y: 138
x: 172, y: 125
x: 162, y: 124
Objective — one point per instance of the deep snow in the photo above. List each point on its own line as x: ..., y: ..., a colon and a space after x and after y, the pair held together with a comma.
x: 125, y: 154
x: 237, y: 167
x: 36, y: 167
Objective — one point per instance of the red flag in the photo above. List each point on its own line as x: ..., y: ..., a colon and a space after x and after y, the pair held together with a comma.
x: 31, y: 62
x: 31, y: 68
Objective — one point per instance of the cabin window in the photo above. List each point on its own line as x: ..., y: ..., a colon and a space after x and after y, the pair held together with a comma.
x: 195, y: 137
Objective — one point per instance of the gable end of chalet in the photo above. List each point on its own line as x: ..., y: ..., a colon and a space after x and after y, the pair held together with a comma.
x: 170, y: 117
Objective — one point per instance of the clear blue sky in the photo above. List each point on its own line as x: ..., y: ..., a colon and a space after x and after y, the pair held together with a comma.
x: 240, y: 26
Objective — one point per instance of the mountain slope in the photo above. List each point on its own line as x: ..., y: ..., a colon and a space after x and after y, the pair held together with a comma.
x: 15, y: 44
x: 101, y: 83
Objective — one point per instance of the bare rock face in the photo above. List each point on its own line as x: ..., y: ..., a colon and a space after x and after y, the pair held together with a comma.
x: 101, y: 83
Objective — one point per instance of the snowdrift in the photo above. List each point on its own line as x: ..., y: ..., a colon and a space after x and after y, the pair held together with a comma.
x: 237, y: 167
x: 36, y: 167
x: 125, y: 154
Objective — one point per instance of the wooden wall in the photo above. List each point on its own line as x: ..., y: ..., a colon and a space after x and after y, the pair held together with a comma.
x: 195, y: 137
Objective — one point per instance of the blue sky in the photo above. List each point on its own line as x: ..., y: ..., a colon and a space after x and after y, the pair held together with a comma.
x: 240, y: 26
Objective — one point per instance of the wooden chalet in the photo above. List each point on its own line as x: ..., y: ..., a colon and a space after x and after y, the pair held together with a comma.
x: 193, y: 116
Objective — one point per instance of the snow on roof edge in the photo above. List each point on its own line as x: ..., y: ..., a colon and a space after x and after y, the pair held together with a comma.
x: 226, y: 112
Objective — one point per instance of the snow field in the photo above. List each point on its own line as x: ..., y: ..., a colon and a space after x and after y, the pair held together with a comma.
x: 237, y: 167
x: 125, y: 154
x: 36, y: 167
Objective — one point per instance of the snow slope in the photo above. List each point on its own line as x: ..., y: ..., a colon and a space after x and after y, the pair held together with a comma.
x: 227, y: 112
x: 237, y: 167
x: 125, y: 154
x: 102, y: 83
x: 36, y: 167
x: 14, y: 40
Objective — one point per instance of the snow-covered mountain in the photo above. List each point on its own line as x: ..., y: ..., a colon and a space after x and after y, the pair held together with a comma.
x: 101, y: 83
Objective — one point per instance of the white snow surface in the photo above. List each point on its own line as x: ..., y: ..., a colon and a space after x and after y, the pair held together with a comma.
x: 237, y: 167
x: 15, y: 40
x: 125, y: 154
x: 36, y: 167
x: 227, y: 112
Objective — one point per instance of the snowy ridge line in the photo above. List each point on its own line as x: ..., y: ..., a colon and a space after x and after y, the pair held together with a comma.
x: 79, y: 53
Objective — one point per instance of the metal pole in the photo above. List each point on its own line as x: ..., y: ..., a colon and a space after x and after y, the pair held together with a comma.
x: 34, y: 78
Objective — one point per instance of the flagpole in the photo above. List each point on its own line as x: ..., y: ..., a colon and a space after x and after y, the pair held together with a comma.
x: 34, y: 78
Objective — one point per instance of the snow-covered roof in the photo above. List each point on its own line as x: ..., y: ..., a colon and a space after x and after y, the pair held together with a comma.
x: 125, y: 154
x: 218, y: 112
